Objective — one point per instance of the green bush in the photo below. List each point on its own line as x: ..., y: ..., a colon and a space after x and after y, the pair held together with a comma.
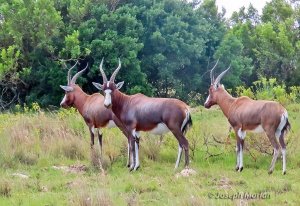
x: 270, y: 89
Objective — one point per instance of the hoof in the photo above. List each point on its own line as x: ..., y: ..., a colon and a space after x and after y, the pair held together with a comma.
x: 236, y: 168
x: 284, y: 172
x: 270, y: 172
x: 131, y: 168
x: 136, y: 168
x: 241, y: 169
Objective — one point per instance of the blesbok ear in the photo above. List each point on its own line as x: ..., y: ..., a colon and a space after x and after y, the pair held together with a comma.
x: 97, y: 85
x: 66, y: 88
x: 119, y: 85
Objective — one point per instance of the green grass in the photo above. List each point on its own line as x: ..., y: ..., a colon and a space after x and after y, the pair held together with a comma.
x: 33, y: 143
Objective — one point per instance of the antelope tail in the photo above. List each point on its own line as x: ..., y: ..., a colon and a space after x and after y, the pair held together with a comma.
x: 187, y: 122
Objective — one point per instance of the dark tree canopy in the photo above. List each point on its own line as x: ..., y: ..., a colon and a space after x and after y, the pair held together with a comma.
x: 167, y: 47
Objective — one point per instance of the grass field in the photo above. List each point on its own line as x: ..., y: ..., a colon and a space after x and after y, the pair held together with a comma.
x: 51, y: 150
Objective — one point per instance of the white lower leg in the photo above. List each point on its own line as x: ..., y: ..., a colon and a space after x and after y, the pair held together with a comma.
x: 283, y: 151
x: 241, y: 158
x: 137, y: 161
x: 275, y: 156
x: 178, y: 156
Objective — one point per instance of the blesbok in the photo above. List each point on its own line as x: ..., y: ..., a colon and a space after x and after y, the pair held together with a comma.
x: 245, y: 114
x: 90, y: 107
x: 141, y: 113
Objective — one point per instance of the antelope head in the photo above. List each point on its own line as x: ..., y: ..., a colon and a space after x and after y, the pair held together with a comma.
x: 215, y: 87
x: 109, y: 87
x: 71, y: 89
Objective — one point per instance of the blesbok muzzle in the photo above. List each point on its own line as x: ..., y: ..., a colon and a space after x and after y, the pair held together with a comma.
x: 208, y: 103
x: 63, y: 103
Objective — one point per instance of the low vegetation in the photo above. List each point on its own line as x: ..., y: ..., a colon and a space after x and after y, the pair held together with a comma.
x: 45, y: 159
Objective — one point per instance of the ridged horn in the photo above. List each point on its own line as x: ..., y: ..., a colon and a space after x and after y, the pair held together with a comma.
x: 218, y: 79
x: 212, y: 74
x: 102, y: 71
x: 113, y: 76
x: 69, y: 72
x: 73, y: 80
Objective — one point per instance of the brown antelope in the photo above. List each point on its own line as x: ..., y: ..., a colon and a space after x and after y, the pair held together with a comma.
x: 141, y: 113
x: 90, y: 107
x: 245, y: 114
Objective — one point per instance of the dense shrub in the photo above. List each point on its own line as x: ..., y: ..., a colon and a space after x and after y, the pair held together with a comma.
x: 271, y: 89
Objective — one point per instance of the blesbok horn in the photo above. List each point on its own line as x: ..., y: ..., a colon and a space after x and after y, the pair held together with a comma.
x: 69, y: 72
x: 102, y: 72
x: 218, y: 79
x: 211, y: 72
x: 113, y: 76
x: 73, y: 80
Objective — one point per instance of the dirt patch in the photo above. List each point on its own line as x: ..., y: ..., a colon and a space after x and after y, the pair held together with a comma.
x: 224, y: 183
x: 76, y: 184
x: 23, y: 176
x: 186, y: 173
x: 72, y: 168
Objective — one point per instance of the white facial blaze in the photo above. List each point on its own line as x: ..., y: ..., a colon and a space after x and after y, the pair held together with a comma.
x: 107, y: 100
x: 207, y: 99
x: 63, y: 101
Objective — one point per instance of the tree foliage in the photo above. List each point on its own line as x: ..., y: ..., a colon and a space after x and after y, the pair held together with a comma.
x: 167, y: 47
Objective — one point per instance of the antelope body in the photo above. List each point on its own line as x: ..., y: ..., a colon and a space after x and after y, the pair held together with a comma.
x: 141, y: 113
x: 245, y: 114
x: 90, y: 107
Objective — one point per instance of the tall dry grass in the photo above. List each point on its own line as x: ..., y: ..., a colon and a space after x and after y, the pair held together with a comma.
x: 31, y: 136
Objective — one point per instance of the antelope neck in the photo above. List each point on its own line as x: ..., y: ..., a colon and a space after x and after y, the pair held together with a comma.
x: 79, y: 101
x: 119, y: 100
x: 225, y: 101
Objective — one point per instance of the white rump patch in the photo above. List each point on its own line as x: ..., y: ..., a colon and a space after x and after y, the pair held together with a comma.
x: 258, y: 129
x: 242, y: 134
x: 282, y: 123
x: 160, y: 129
x: 111, y: 124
